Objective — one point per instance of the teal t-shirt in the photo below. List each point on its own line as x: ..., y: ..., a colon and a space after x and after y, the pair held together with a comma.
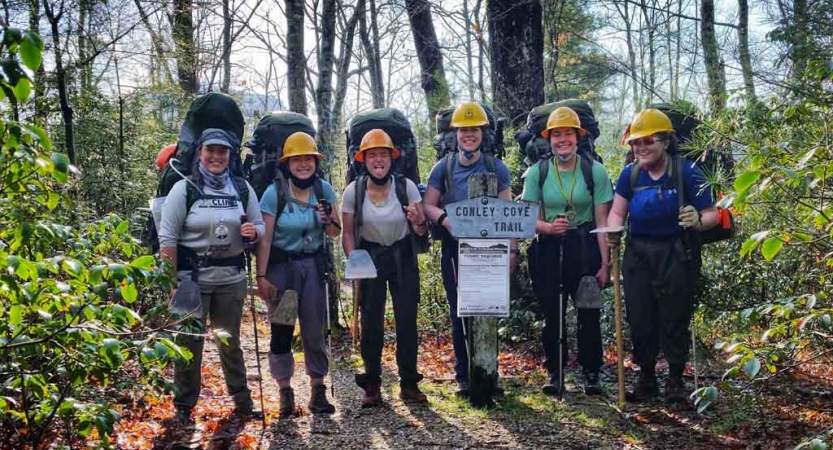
x: 555, y: 202
x: 299, y: 230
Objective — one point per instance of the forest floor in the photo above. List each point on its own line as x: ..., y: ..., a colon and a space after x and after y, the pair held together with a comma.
x: 779, y: 416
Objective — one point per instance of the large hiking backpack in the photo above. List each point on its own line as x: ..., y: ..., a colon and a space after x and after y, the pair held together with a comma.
x: 445, y: 141
x: 535, y: 147
x: 685, y: 117
x: 212, y: 110
x: 266, y: 144
x: 397, y: 126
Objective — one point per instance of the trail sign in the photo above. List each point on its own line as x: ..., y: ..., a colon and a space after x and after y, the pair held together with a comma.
x: 488, y: 217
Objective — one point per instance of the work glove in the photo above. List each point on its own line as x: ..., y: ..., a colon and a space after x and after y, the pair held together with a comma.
x: 689, y: 217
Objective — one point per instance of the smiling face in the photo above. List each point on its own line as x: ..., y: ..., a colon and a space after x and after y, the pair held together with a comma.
x: 469, y: 138
x: 378, y: 161
x: 214, y: 158
x: 649, y: 150
x: 563, y: 141
x: 302, y: 166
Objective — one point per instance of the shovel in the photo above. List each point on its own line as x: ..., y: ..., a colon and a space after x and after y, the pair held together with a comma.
x: 359, y: 266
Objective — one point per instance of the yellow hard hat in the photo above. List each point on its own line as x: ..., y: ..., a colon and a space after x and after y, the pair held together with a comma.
x: 469, y: 114
x: 648, y: 122
x: 299, y: 144
x: 376, y: 138
x: 563, y: 117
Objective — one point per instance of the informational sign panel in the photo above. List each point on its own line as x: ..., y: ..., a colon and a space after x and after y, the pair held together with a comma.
x: 483, y: 278
x: 488, y: 217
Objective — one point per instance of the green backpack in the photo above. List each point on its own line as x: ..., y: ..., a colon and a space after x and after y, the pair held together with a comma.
x: 266, y: 144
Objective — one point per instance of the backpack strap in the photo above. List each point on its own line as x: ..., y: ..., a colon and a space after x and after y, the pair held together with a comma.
x: 401, y: 186
x: 281, y: 188
x: 242, y: 191
x: 358, y: 219
x: 586, y: 165
x: 490, y: 162
x: 450, y: 161
x: 192, y: 194
x: 635, y: 169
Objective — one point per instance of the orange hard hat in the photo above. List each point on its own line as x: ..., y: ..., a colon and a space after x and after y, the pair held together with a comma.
x: 165, y: 155
x: 376, y: 138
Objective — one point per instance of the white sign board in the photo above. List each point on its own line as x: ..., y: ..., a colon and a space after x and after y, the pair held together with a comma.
x: 483, y: 278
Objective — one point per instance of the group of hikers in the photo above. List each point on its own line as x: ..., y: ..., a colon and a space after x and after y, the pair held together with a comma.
x: 203, y: 236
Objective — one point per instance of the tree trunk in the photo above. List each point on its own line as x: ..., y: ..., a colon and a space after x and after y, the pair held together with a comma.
x: 469, y: 54
x: 226, y: 84
x: 61, y: 77
x: 481, y: 52
x: 711, y: 56
x: 156, y: 40
x: 624, y: 13
x: 296, y: 66
x: 743, y: 49
x: 430, y: 57
x: 652, y: 71
x: 38, y: 99
x: 516, y: 39
x: 801, y: 49
x: 371, y: 50
x: 344, y: 62
x: 324, y: 89
x: 186, y: 59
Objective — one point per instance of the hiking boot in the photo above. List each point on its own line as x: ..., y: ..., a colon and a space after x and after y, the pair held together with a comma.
x: 646, y: 388
x: 318, y: 403
x: 591, y: 383
x: 372, y: 394
x: 412, y: 394
x: 675, y: 391
x: 462, y: 389
x: 552, y: 386
x: 247, y: 411
x: 183, y: 416
x: 499, y: 391
x: 287, y: 402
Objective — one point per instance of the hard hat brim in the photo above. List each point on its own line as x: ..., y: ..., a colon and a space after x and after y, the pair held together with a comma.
x: 285, y: 158
x: 546, y: 133
x: 394, y: 153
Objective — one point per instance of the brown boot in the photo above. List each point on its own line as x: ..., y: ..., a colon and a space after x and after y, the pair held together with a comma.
x: 411, y: 394
x: 372, y: 394
x: 318, y: 403
x: 287, y: 402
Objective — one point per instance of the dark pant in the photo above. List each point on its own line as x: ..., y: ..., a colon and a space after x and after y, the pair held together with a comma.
x: 659, y: 277
x: 401, y: 274
x: 449, y: 272
x: 223, y: 305
x: 581, y: 257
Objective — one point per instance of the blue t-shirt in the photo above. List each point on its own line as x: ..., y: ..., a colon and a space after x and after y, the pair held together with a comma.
x: 461, y: 176
x: 653, y: 206
x: 300, y: 230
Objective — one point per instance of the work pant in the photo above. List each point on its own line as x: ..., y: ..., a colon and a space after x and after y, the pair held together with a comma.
x: 448, y: 265
x: 553, y: 278
x: 301, y: 275
x: 396, y: 269
x: 223, y: 305
x: 659, y: 277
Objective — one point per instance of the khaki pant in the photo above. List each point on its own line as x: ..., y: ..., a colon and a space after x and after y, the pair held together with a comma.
x: 223, y: 305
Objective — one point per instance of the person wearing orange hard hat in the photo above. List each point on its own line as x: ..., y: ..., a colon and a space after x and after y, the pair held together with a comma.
x: 568, y: 261
x: 165, y: 155
x: 381, y: 212
x: 660, y: 266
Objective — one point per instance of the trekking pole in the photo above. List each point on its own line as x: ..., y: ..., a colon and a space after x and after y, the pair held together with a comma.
x: 694, y: 357
x: 247, y: 249
x: 328, y: 209
x: 561, y: 318
x: 617, y: 296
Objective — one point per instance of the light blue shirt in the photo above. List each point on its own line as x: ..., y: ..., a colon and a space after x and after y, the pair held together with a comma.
x: 298, y: 229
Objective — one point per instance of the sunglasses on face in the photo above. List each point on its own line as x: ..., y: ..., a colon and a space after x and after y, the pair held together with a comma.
x: 650, y: 140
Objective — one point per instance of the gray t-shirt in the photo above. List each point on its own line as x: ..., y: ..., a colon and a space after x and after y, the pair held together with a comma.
x: 384, y: 224
x: 212, y: 226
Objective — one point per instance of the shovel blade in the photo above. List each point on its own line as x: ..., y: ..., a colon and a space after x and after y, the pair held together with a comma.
x: 359, y: 265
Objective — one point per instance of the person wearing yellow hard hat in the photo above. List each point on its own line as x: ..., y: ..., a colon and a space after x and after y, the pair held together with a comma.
x: 380, y: 212
x: 661, y: 263
x: 448, y: 183
x: 298, y: 209
x: 573, y: 256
